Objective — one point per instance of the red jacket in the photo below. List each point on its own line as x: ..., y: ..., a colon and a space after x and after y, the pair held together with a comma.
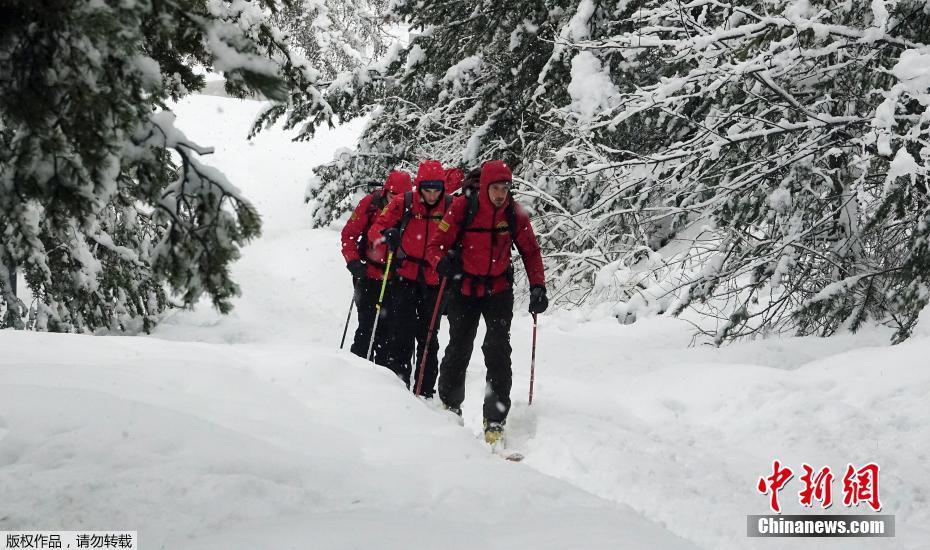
x: 362, y: 218
x: 421, y: 226
x: 486, y: 252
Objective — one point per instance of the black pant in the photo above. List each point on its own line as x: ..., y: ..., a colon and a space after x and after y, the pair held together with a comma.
x: 412, y: 306
x: 464, y: 312
x: 366, y: 298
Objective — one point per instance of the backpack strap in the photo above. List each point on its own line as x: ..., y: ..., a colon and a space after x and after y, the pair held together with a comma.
x: 408, y: 212
x: 402, y: 225
x: 441, y: 214
x: 510, y: 214
x: 376, y: 204
x: 471, y: 211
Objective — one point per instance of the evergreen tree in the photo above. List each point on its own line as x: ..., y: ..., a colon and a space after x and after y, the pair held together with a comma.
x: 782, y: 143
x: 335, y: 35
x: 105, y: 207
x: 798, y: 143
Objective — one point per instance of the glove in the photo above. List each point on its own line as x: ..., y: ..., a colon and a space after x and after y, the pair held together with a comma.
x: 357, y: 268
x: 538, y: 300
x: 449, y: 267
x: 391, y: 237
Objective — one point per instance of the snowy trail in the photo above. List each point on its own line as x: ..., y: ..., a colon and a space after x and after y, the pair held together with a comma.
x: 257, y: 427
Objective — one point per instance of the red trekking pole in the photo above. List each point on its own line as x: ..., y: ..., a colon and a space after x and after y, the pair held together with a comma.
x: 429, y: 336
x: 533, y: 361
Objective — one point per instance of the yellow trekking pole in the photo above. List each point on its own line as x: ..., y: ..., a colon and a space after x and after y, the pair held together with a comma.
x: 374, y: 329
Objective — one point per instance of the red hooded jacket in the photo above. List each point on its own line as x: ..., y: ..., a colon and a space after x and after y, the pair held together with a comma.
x: 421, y: 226
x: 362, y: 217
x: 486, y: 242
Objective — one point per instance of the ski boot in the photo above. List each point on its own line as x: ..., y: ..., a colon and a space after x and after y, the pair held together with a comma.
x: 493, y: 433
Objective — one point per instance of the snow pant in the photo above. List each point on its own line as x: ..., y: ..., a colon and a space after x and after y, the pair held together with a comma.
x: 366, y: 298
x: 411, y: 310
x: 464, y: 312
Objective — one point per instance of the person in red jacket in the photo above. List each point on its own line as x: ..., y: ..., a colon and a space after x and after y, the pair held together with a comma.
x: 406, y: 226
x: 473, y: 248
x: 365, y: 259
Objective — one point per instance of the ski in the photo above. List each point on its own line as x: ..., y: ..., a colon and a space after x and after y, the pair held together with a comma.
x: 508, y: 455
x: 513, y: 457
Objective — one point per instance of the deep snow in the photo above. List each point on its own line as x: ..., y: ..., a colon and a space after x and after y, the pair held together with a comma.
x: 255, y: 431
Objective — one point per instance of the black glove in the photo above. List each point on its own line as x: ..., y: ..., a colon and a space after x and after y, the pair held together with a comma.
x: 449, y: 267
x: 391, y: 237
x: 538, y: 300
x: 357, y: 268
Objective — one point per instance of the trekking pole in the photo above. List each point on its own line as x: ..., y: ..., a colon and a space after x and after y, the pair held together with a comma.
x: 374, y: 329
x: 349, y: 315
x: 533, y: 361
x: 429, y: 336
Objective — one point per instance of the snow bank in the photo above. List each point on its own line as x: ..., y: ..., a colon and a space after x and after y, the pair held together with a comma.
x: 206, y: 446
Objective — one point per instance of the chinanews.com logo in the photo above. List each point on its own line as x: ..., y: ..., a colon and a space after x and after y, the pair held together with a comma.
x: 860, y: 488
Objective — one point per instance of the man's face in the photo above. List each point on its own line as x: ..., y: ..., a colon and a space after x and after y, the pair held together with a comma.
x: 390, y: 196
x: 431, y: 196
x: 497, y: 192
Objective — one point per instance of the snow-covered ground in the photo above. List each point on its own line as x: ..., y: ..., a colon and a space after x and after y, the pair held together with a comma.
x: 255, y: 431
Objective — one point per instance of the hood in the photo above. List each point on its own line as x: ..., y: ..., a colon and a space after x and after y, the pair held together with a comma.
x: 429, y: 170
x: 397, y: 182
x: 493, y: 171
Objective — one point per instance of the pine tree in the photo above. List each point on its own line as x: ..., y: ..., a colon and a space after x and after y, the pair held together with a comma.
x: 335, y: 35
x: 105, y: 207
x: 798, y: 143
